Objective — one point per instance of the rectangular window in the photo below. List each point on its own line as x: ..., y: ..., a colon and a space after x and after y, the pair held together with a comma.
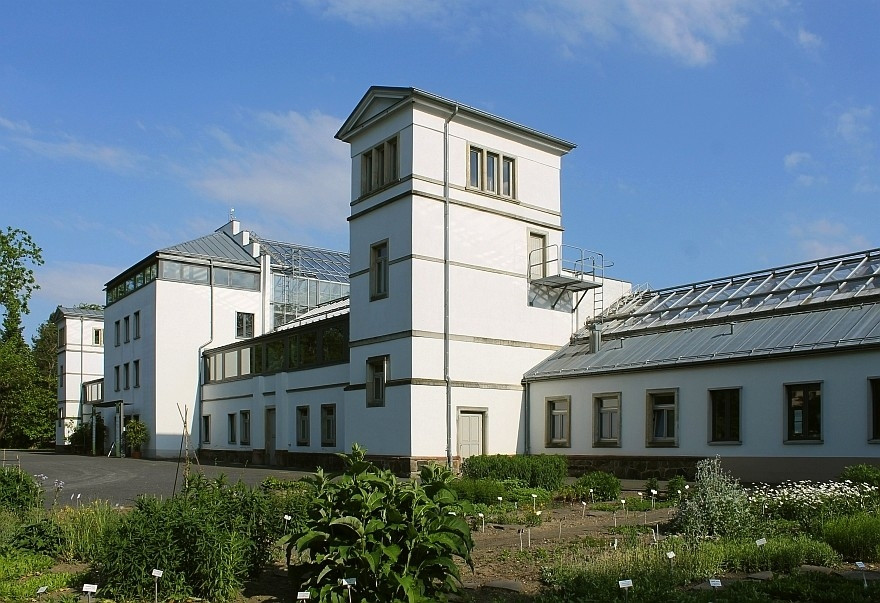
x: 328, y: 425
x: 662, y: 418
x: 62, y: 337
x: 302, y: 425
x: 379, y: 166
x: 491, y: 172
x: 245, y: 416
x: 244, y: 325
x: 333, y: 345
x: 137, y: 325
x: 230, y: 422
x: 803, y: 402
x: 117, y: 339
x: 559, y: 422
x: 475, y: 168
x: 607, y: 420
x: 507, y: 177
x: 537, y: 255
x: 206, y: 429
x: 116, y: 377
x: 127, y: 329
x: 874, y: 392
x: 137, y: 373
x: 274, y: 356
x: 98, y: 336
x: 724, y: 415
x: 379, y: 270
x: 125, y: 376
x: 60, y: 375
x: 376, y: 368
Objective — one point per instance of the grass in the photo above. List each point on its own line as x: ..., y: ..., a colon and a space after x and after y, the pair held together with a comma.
x: 21, y: 574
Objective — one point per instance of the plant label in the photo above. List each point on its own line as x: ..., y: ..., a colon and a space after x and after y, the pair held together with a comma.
x: 287, y: 518
x: 90, y: 588
x: 42, y: 589
x: 625, y: 583
x: 157, y: 573
x: 715, y: 583
x: 670, y: 555
x: 348, y: 582
x: 761, y: 541
x: 860, y: 565
x: 303, y: 595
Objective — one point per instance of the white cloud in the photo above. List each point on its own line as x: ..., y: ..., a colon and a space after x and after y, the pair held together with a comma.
x: 286, y: 164
x: 853, y: 125
x: 686, y: 30
x: 824, y: 237
x: 808, y: 40
x: 14, y: 126
x: 793, y: 160
x: 381, y: 12
x: 114, y: 158
x: 68, y: 283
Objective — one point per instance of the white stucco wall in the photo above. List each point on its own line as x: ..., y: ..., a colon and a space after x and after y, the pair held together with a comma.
x: 82, y: 361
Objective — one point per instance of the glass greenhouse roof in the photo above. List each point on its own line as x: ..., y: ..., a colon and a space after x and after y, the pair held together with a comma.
x: 310, y: 262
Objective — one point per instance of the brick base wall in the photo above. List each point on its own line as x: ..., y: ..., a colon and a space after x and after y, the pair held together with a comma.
x: 635, y: 467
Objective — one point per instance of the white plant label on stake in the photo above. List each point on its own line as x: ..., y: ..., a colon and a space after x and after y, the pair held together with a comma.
x: 625, y: 583
x: 303, y: 595
x: 157, y: 573
x: 715, y: 583
x: 348, y: 582
x: 584, y: 511
x: 670, y: 555
x: 42, y: 589
x: 90, y: 588
x: 860, y: 565
x: 761, y: 541
x: 287, y: 518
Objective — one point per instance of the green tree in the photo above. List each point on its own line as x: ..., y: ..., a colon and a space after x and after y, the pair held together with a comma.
x: 18, y: 253
x: 45, y: 348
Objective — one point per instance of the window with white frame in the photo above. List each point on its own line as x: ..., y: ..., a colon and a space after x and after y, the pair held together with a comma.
x: 137, y: 325
x: 302, y: 425
x: 98, y: 336
x: 491, y: 172
x: 127, y: 328
x: 606, y: 420
x: 874, y: 393
x: 803, y: 404
x: 116, y: 378
x: 379, y: 270
x: 724, y: 409
x: 60, y: 375
x: 62, y: 337
x: 245, y: 417
x: 126, y: 376
x: 662, y: 417
x: 117, y: 339
x: 206, y: 429
x: 537, y: 255
x: 328, y: 425
x: 559, y: 422
x: 231, y: 425
x: 136, y: 365
x: 376, y: 375
x: 379, y: 166
x: 244, y: 325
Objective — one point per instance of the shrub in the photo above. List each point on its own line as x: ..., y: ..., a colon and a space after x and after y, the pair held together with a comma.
x: 716, y: 506
x: 675, y: 488
x: 85, y: 529
x: 19, y: 492
x: 398, y: 540
x: 856, y: 537
x: 81, y: 438
x: 652, y: 484
x: 604, y: 485
x: 41, y: 535
x: 484, y: 491
x: 862, y: 474
x: 538, y: 471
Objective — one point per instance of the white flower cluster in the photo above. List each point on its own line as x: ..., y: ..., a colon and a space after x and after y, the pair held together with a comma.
x: 808, y: 500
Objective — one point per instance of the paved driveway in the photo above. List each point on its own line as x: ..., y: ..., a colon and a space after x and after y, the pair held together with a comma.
x: 121, y: 480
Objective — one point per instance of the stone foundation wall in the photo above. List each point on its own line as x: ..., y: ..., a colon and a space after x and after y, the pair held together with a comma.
x: 635, y: 467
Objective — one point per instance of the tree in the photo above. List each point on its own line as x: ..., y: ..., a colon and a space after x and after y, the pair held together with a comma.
x: 45, y: 348
x: 17, y: 282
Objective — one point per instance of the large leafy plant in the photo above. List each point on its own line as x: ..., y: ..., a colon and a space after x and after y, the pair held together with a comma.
x: 398, y: 540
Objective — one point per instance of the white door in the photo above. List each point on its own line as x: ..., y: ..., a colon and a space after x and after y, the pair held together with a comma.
x: 470, y: 434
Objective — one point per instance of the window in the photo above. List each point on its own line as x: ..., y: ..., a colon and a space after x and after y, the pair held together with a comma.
x: 230, y: 421
x: 274, y: 356
x: 237, y: 279
x: 874, y: 392
x: 206, y: 429
x: 558, y: 422
x: 537, y: 255
x: 244, y: 325
x: 117, y: 339
x: 376, y: 380
x: 379, y: 166
x: 60, y: 375
x: 304, y: 349
x: 60, y: 416
x: 116, y: 377
x: 245, y: 416
x: 189, y: 273
x: 302, y: 425
x: 803, y: 403
x: 127, y: 329
x: 137, y: 373
x: 607, y: 420
x: 132, y: 282
x: 724, y: 415
x: 328, y: 425
x: 137, y: 325
x: 62, y: 337
x: 662, y: 418
x: 333, y: 345
x: 379, y: 270
x: 491, y: 172
x: 98, y: 336
x: 125, y: 376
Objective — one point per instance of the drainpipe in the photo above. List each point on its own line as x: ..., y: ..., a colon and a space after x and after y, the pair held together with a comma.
x: 446, y: 378
x: 528, y: 419
x: 198, y: 410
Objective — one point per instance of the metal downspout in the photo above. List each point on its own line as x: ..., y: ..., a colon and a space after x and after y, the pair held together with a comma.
x: 197, y: 420
x: 527, y: 437
x: 446, y: 378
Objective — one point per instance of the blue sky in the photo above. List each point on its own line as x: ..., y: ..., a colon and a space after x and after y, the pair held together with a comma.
x: 714, y: 137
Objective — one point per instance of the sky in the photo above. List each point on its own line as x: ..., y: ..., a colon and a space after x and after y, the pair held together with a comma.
x: 715, y: 137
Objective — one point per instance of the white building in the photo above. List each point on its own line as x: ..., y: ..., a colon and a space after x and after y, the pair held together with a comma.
x: 776, y: 371
x: 459, y: 283
x: 80, y: 360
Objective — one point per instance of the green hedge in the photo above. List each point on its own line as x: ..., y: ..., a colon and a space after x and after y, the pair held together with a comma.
x: 539, y: 471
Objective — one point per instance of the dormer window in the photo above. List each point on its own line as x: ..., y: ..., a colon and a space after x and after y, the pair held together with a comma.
x: 379, y: 166
x: 491, y: 172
